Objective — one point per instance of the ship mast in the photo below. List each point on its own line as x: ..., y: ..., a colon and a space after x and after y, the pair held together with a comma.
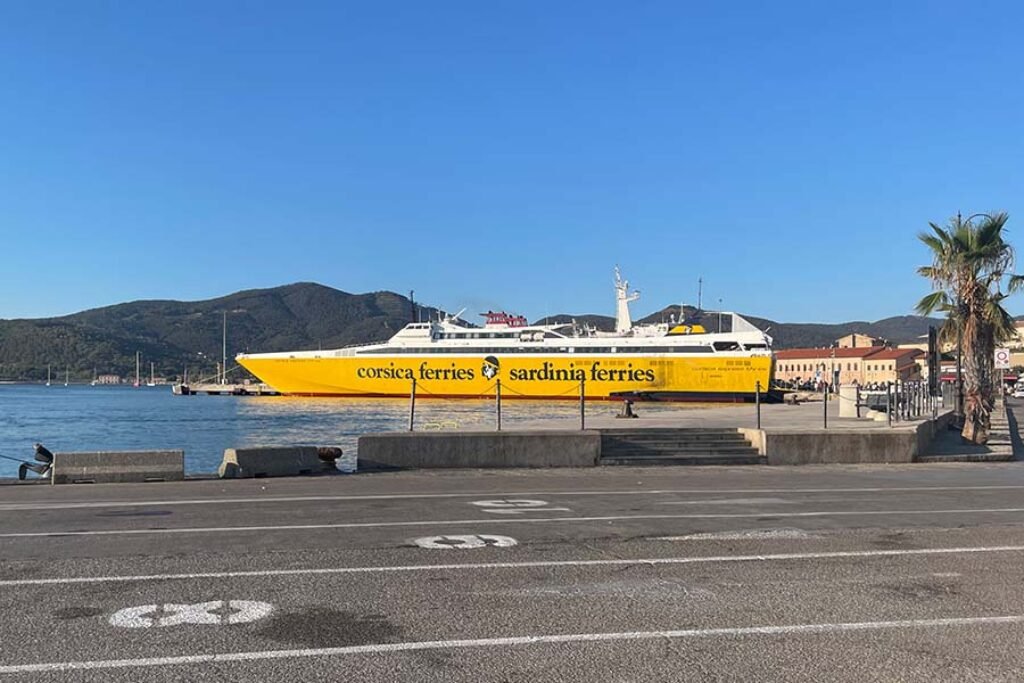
x: 623, y: 323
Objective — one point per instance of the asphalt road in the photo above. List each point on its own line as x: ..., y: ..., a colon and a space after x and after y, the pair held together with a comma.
x: 888, y: 573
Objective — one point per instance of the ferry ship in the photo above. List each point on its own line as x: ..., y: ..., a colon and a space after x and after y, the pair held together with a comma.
x: 449, y: 358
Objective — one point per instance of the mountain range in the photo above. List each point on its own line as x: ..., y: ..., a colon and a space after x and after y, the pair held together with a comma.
x: 174, y: 335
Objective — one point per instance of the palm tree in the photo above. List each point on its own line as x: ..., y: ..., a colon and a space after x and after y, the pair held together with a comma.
x: 969, y: 265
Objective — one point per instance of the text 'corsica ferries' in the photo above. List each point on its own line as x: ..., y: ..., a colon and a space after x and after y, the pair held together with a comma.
x: 452, y: 359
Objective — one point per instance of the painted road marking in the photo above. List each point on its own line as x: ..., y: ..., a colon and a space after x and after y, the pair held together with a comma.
x: 465, y: 542
x: 213, y: 612
x: 515, y: 506
x: 385, y: 648
x: 532, y: 520
x: 742, y: 535
x: 57, y: 505
x: 651, y: 561
x: 732, y: 501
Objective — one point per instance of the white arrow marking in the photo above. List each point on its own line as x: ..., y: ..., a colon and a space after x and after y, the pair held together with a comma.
x: 198, y: 613
x: 248, y: 610
x: 469, y: 541
x: 515, y: 506
x: 242, y: 611
x: 132, y: 617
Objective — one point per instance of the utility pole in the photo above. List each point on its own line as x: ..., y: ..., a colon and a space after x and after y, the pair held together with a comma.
x: 224, y: 367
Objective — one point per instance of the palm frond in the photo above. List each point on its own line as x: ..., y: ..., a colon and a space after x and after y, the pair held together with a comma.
x: 936, y: 301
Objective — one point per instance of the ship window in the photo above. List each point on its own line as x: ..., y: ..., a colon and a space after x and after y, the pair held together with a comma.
x: 756, y: 346
x: 726, y: 346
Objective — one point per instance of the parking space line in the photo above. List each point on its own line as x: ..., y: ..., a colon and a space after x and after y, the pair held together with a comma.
x: 653, y: 561
x: 516, y: 641
x: 503, y: 520
x: 71, y: 505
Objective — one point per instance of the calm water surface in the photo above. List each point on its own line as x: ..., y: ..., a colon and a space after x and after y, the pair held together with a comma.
x: 78, y: 418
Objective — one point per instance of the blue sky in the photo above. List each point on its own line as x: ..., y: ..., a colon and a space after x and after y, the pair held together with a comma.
x: 501, y: 154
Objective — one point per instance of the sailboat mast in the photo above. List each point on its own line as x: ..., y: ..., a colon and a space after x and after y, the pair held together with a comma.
x: 224, y: 357
x: 138, y: 360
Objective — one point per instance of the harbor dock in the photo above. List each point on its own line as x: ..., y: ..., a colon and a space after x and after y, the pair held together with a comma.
x: 218, y: 389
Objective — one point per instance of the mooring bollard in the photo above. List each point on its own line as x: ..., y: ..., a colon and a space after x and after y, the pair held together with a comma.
x: 757, y: 402
x: 412, y: 404
x: 497, y: 401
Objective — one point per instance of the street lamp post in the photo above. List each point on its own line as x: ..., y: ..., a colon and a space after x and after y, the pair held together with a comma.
x: 832, y: 368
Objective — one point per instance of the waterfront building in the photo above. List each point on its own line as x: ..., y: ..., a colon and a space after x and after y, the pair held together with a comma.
x: 890, y: 365
x: 857, y: 340
x: 844, y: 365
x: 848, y: 365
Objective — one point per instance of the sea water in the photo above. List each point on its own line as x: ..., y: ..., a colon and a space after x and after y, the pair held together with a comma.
x: 111, y: 418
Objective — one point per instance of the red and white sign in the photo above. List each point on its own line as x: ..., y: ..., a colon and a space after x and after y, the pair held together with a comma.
x: 1002, y: 359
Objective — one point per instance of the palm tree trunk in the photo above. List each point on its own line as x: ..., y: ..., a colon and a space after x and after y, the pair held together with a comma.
x: 977, y: 377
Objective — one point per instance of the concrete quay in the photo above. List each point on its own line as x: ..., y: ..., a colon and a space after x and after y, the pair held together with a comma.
x: 788, y: 435
x: 817, y: 573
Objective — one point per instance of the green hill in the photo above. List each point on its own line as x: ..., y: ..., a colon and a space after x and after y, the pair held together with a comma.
x: 173, y: 334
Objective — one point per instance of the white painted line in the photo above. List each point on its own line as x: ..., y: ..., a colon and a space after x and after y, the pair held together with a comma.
x: 732, y: 501
x: 492, y: 520
x: 650, y: 561
x: 386, y: 648
x: 465, y: 542
x: 510, y: 503
x: 742, y: 535
x: 70, y: 505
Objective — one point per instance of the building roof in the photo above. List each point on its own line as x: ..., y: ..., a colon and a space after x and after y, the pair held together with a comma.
x: 855, y: 352
x: 867, y: 352
x: 896, y: 354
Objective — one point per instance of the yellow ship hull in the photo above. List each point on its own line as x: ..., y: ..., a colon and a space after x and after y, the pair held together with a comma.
x: 670, y: 377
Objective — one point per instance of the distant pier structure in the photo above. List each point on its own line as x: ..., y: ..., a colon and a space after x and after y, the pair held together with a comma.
x: 218, y: 389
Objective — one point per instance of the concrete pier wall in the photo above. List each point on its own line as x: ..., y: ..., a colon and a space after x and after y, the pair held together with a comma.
x: 481, y: 449
x: 104, y: 467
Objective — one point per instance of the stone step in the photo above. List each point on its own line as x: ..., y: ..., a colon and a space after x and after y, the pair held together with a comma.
x: 739, y: 447
x: 718, y: 459
x: 675, y: 445
x: 687, y: 431
x: 689, y: 438
x: 639, y: 453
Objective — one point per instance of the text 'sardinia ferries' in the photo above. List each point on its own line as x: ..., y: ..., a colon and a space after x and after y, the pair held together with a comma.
x: 448, y: 358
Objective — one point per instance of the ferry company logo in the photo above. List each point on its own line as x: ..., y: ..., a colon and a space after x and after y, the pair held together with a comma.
x: 490, y: 367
